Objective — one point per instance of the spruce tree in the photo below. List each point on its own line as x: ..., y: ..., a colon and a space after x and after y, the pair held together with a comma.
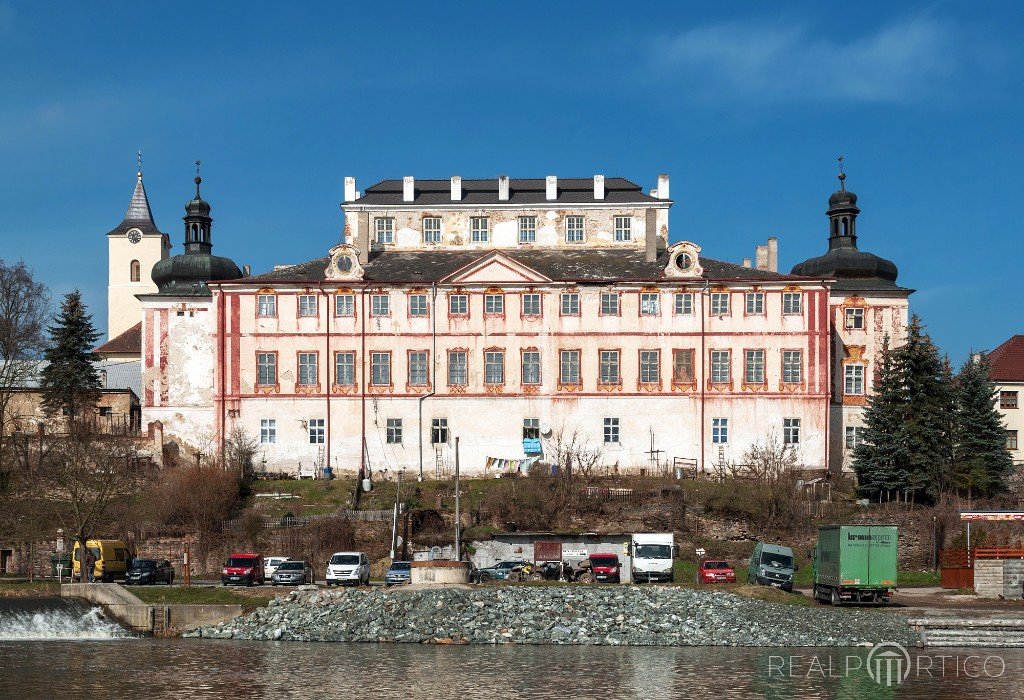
x: 983, y: 464
x: 879, y: 461
x: 69, y: 380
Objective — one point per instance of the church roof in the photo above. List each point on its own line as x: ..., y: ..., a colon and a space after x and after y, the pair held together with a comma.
x: 128, y: 343
x: 1006, y: 362
x: 139, y: 214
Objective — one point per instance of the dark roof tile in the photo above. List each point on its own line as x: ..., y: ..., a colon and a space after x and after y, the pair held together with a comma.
x: 521, y: 191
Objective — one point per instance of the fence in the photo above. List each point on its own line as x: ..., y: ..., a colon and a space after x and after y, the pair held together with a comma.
x: 271, y: 523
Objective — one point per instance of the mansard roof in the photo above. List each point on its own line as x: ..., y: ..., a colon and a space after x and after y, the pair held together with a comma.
x: 521, y: 191
x: 1006, y: 362
x: 584, y: 265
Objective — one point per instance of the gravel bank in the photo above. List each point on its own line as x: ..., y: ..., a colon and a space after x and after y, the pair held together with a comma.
x: 602, y: 615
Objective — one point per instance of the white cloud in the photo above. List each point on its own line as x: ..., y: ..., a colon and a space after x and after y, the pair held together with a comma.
x: 899, y: 62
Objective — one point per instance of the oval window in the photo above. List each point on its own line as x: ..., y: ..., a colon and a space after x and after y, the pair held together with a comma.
x: 684, y: 261
x: 343, y: 263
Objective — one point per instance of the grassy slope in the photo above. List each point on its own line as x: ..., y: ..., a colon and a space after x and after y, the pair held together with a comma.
x: 25, y: 589
x: 205, y: 595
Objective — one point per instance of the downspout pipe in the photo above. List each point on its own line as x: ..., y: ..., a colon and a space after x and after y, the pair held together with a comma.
x: 327, y: 366
x: 222, y: 369
x: 433, y: 361
x: 704, y: 311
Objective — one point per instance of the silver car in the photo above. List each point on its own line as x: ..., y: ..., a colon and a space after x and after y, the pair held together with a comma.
x: 293, y: 573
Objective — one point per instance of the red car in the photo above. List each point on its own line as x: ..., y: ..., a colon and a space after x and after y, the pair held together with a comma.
x: 243, y: 569
x: 605, y: 567
x: 716, y: 571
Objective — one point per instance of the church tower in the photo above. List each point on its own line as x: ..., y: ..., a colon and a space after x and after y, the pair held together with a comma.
x: 133, y: 248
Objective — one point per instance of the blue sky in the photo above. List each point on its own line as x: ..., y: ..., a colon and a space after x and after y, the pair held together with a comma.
x: 745, y: 105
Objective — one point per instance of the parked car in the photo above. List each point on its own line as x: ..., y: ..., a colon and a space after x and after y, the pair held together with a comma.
x: 149, y: 572
x: 270, y: 565
x: 498, y: 572
x: 715, y: 571
x: 771, y: 565
x: 243, y: 569
x: 398, y: 573
x: 111, y: 560
x: 293, y: 573
x: 348, y: 569
x: 605, y: 567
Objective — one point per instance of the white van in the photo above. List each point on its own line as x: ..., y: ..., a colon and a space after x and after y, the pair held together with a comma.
x: 348, y: 569
x: 270, y: 564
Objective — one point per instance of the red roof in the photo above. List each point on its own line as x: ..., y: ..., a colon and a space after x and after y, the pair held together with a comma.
x: 129, y: 342
x: 1007, y: 361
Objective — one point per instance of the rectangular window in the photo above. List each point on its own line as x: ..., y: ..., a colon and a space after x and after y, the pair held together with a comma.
x: 266, y: 305
x: 574, y: 229
x: 458, y: 304
x: 792, y: 303
x: 609, y: 303
x: 531, y: 367
x: 682, y: 366
x: 385, y: 229
x: 419, y: 374
x: 268, y: 431
x: 609, y: 366
x: 570, y: 304
x: 344, y: 305
x: 394, y: 431
x: 792, y: 366
x: 854, y: 436
x: 531, y: 428
x: 854, y: 384
x: 569, y: 367
x: 650, y: 366
x: 458, y: 374
x: 720, y: 303
x: 527, y: 229
x: 755, y: 303
x: 719, y: 431
x: 791, y: 431
x: 432, y: 229
x: 266, y: 368
x: 380, y: 305
x: 683, y: 303
x: 307, y: 305
x: 720, y: 366
x: 623, y: 228
x: 345, y: 368
x: 649, y: 304
x: 854, y: 319
x: 531, y: 305
x: 753, y: 363
x: 494, y: 367
x: 380, y: 368
x: 478, y: 228
x: 308, y: 374
x: 494, y: 304
x: 1007, y: 399
x: 418, y: 305
x: 611, y: 430
x: 439, y: 431
x: 1011, y: 439
x: 316, y: 431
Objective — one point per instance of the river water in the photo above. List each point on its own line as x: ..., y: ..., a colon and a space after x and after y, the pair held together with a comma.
x: 59, y: 649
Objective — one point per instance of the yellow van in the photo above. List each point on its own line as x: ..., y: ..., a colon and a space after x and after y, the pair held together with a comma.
x: 112, y: 559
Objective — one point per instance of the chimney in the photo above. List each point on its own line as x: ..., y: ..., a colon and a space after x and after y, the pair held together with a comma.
x: 551, y: 185
x: 773, y: 254
x: 246, y: 271
x: 746, y: 262
x: 503, y: 188
x: 761, y: 257
x: 663, y: 186
x: 350, y: 189
x: 408, y: 188
x: 651, y: 235
x: 456, y: 188
x: 599, y: 187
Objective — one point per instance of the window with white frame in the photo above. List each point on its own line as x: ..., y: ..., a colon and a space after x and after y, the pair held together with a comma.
x: 610, y: 367
x: 458, y: 374
x: 345, y: 368
x: 854, y: 436
x: 574, y: 229
x: 755, y: 303
x: 609, y: 303
x: 623, y: 228
x: 419, y: 374
x: 719, y: 431
x: 683, y: 303
x: 569, y: 371
x: 439, y: 431
x: 315, y: 430
x: 650, y: 366
x: 611, y: 430
x: 393, y: 429
x: 458, y: 304
x: 854, y: 319
x: 650, y: 304
x: 792, y: 366
x: 344, y: 305
x: 266, y: 305
x: 531, y: 367
x: 791, y: 431
x: 719, y: 303
x: 385, y: 226
x: 854, y: 380
x: 268, y: 431
x: 478, y: 228
x: 308, y: 375
x: 792, y: 303
x: 682, y: 366
x: 570, y: 304
x: 494, y: 367
x: 531, y: 428
x: 720, y: 366
x: 432, y: 229
x: 753, y: 363
x: 494, y: 304
x: 531, y: 305
x: 380, y: 368
x: 307, y: 305
x: 266, y: 368
x: 527, y: 229
x: 380, y: 305
x: 418, y: 305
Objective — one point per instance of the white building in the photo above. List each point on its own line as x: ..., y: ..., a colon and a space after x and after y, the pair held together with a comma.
x: 1006, y: 371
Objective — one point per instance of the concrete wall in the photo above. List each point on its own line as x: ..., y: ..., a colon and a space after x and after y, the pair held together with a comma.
x: 995, y: 578
x: 521, y: 546
x: 133, y: 614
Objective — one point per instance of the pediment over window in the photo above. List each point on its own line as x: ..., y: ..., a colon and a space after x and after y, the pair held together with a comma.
x: 495, y: 268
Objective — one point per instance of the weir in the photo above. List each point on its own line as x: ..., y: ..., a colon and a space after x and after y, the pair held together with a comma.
x: 137, y: 616
x: 39, y: 619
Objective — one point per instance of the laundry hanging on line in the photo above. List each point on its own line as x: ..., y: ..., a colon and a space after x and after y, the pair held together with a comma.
x: 510, y: 466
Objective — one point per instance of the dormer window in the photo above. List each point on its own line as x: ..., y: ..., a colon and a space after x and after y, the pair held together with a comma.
x: 684, y: 260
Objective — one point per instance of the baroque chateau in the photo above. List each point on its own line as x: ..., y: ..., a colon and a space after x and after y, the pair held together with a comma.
x: 520, y: 316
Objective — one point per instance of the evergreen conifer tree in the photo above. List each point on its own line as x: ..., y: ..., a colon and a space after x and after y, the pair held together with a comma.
x: 69, y: 380
x: 879, y: 460
x: 983, y: 464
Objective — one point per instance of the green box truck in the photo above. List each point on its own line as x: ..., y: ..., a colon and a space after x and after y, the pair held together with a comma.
x: 855, y: 563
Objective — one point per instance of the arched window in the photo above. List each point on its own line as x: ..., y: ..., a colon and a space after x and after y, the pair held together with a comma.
x: 846, y: 226
x: 136, y: 271
x: 195, y: 232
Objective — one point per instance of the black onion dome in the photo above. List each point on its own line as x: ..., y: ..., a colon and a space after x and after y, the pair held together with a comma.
x: 842, y: 198
x: 188, y: 273
x: 848, y: 263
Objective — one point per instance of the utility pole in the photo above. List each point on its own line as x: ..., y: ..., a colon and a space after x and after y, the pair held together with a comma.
x: 458, y: 521
x: 394, y: 522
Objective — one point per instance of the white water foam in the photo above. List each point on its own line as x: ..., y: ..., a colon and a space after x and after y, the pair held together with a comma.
x: 74, y: 623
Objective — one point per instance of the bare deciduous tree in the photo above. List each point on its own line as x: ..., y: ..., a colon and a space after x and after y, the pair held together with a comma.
x: 574, y: 453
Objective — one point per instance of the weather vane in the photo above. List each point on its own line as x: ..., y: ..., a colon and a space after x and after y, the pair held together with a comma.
x: 840, y: 159
x: 198, y: 163
x: 842, y: 175
x: 139, y: 156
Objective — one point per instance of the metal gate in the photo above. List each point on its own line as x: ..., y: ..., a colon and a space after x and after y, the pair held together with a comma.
x: 547, y: 551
